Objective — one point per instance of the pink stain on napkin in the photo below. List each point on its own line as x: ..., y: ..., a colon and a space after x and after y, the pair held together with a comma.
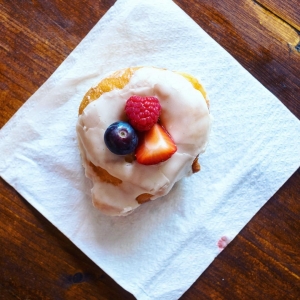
x: 223, y: 242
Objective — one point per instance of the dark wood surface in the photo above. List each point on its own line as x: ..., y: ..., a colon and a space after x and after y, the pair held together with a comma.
x: 39, y: 262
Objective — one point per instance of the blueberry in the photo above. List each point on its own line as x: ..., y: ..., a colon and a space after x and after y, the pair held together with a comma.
x: 120, y: 138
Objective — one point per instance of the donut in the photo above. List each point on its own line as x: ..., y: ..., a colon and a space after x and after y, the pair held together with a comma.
x: 121, y: 183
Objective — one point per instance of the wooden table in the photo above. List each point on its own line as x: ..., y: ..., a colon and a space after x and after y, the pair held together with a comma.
x: 39, y: 262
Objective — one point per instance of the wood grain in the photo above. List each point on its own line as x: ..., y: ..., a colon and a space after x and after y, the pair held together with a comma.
x: 285, y: 10
x: 38, y: 262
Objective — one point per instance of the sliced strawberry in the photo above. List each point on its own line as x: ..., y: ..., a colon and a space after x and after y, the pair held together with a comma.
x: 155, y: 146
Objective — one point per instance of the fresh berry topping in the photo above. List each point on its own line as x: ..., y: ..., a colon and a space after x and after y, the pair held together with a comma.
x: 142, y: 112
x: 120, y: 138
x: 155, y: 146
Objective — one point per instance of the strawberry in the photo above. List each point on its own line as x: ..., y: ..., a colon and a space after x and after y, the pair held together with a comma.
x: 155, y: 146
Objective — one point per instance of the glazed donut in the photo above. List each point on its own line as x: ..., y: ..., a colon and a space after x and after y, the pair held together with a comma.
x: 120, y: 182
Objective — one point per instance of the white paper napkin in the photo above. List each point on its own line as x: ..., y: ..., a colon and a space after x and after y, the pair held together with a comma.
x: 161, y: 249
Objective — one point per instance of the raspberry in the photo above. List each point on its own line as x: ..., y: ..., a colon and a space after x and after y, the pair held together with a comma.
x: 142, y: 112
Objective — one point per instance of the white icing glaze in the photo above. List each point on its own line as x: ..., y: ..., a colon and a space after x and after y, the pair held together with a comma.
x: 185, y: 116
